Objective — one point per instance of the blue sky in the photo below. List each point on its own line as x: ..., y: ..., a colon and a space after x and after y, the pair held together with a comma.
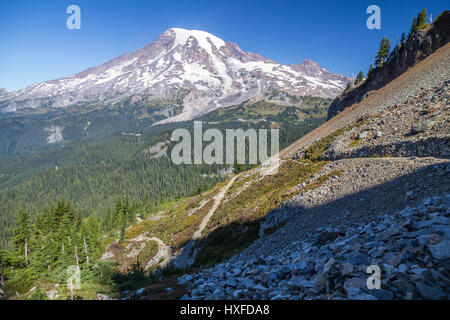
x: 35, y: 44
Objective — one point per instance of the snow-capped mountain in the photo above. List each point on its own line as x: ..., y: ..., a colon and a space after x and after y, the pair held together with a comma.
x: 194, y: 67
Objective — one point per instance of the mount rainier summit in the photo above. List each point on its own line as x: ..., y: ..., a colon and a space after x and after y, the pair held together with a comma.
x: 191, y: 68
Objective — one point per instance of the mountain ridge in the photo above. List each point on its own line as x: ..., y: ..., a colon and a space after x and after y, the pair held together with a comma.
x: 416, y: 48
x: 194, y: 67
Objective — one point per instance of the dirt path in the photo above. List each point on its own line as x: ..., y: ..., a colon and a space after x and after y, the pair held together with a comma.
x: 186, y: 255
x: 217, y: 200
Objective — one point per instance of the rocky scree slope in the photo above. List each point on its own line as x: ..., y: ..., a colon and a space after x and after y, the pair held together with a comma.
x: 389, y: 205
x: 410, y: 246
x: 433, y: 72
x: 419, y: 127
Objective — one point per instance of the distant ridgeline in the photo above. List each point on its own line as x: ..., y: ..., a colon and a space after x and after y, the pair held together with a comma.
x: 422, y: 41
x: 28, y: 131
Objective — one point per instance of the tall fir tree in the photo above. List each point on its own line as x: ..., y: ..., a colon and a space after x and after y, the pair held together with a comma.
x: 124, y: 208
x: 118, y: 212
x: 359, y: 77
x: 347, y: 88
x: 122, y: 228
x: 369, y: 73
x: 422, y: 19
x: 383, y: 52
x: 413, y: 28
x: 22, y: 235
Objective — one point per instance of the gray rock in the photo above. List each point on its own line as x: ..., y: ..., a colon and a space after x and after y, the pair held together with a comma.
x: 403, y: 268
x: 345, y: 268
x: 419, y: 127
x: 403, y: 286
x: 352, y: 292
x: 261, y: 268
x: 328, y: 265
x: 273, y: 276
x: 356, y: 258
x: 141, y: 291
x: 430, y: 293
x: 382, y: 294
x: 333, y: 149
x: 363, y: 135
x: 363, y: 296
x: 230, y: 283
x: 248, y: 283
x: 184, y: 279
x: 441, y: 220
x: 441, y: 250
x: 260, y: 287
x: 306, y: 283
x: 421, y: 224
x: 378, y: 134
x: 325, y: 237
x: 352, y: 283
x: 301, y: 268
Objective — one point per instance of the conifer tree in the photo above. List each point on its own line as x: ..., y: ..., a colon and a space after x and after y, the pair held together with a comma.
x: 118, y: 212
x: 383, y: 53
x: 348, y: 87
x: 127, y: 211
x: 122, y: 229
x: 107, y: 221
x: 369, y: 73
x: 7, y: 261
x: 413, y: 27
x: 403, y: 39
x: 421, y: 19
x: 359, y: 77
x: 21, y: 235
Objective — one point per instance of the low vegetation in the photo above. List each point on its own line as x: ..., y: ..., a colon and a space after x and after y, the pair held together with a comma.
x: 237, y: 218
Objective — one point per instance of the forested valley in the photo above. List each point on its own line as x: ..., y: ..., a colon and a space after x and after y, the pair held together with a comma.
x: 60, y: 206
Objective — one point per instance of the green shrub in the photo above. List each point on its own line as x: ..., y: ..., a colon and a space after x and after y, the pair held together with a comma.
x: 132, y: 279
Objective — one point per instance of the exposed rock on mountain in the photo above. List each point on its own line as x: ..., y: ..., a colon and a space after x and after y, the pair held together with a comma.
x: 410, y: 246
x: 417, y: 47
x: 188, y: 67
x: 420, y: 128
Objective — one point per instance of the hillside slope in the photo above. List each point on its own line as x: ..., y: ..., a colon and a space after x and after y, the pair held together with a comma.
x: 429, y: 73
x: 368, y: 187
x: 384, y: 200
